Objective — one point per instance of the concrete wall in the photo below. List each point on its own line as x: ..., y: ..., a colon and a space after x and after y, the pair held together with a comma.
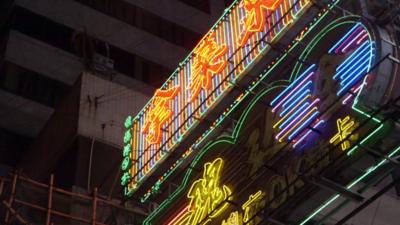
x: 104, y: 118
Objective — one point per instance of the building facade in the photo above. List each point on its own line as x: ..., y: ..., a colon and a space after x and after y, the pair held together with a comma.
x: 47, y: 45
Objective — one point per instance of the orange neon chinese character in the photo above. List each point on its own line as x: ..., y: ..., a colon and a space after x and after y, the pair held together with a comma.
x: 255, y: 18
x: 207, y: 61
x: 159, y: 114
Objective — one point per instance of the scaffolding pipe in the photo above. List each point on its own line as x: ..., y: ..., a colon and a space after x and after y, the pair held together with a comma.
x: 50, y: 200
x: 11, y: 199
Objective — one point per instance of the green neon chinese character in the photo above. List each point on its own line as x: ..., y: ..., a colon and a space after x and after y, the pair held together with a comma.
x: 125, y: 178
x: 125, y: 163
x: 127, y: 150
x: 128, y: 122
x: 127, y: 136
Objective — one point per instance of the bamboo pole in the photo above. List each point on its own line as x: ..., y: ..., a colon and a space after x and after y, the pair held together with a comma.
x: 113, y: 184
x: 55, y: 188
x: 94, y: 208
x: 54, y: 212
x: 1, y: 186
x: 17, y: 215
x: 10, y: 201
x: 96, y: 200
x: 74, y: 194
x: 50, y: 200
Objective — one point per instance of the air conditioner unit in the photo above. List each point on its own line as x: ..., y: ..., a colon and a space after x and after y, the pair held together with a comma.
x: 102, y: 63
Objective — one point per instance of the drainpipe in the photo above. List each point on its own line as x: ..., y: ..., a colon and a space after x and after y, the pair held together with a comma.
x: 90, y: 165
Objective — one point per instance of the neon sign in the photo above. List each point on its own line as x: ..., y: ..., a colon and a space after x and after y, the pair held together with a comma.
x: 239, y: 218
x: 235, y: 218
x: 358, y: 63
x: 206, y: 64
x: 297, y: 108
x: 206, y: 197
x: 250, y: 208
x: 153, y: 190
x: 255, y: 16
x: 345, y: 128
x: 201, y: 80
x: 159, y: 113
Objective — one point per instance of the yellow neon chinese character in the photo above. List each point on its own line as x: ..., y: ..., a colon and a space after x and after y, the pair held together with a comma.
x: 206, y: 197
x: 159, y: 114
x: 255, y: 18
x: 345, y: 127
x: 251, y: 206
x: 235, y: 218
x: 207, y: 62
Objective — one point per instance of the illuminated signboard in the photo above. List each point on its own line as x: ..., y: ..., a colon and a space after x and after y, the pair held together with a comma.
x: 312, y: 120
x: 154, y: 189
x: 221, y: 58
x: 208, y: 200
x: 206, y: 196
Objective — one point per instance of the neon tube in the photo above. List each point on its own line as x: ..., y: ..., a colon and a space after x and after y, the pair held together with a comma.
x: 362, y: 38
x: 307, y: 134
x: 355, y: 39
x: 292, y: 91
x: 298, y: 117
x: 295, y: 114
x: 307, y: 122
x: 343, y: 38
x: 307, y: 92
x: 350, y: 59
x: 356, y: 78
x: 360, y: 64
x: 304, y: 89
x: 293, y: 84
x: 347, y: 40
x: 347, y: 74
x: 179, y: 215
x: 301, y: 120
x: 291, y: 111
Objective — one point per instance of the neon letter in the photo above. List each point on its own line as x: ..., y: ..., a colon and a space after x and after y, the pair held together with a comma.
x: 159, y: 114
x: 207, y: 62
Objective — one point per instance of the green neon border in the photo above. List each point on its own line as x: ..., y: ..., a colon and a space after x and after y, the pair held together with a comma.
x: 255, y: 84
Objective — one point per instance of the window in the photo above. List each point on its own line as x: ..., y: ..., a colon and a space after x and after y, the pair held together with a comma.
x: 202, y: 5
x: 147, y: 21
x: 31, y: 85
x: 61, y: 37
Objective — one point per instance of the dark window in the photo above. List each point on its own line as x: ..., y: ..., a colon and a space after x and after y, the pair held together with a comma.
x: 31, y: 85
x: 203, y: 5
x: 43, y: 29
x: 62, y: 37
x: 12, y: 146
x: 228, y: 2
x: 146, y: 20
